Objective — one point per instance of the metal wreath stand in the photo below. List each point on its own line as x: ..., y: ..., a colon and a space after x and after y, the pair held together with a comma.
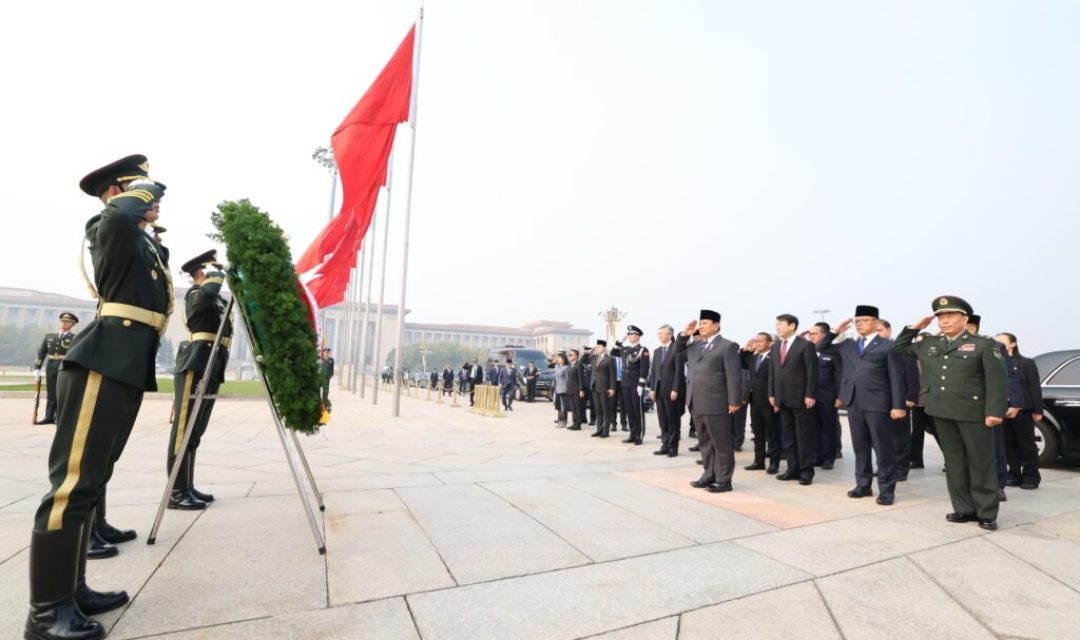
x: 320, y: 542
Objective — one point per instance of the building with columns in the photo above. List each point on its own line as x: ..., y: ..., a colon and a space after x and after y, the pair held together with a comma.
x: 548, y: 336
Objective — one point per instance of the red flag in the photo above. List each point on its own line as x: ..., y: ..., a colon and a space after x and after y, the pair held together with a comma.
x: 361, y: 144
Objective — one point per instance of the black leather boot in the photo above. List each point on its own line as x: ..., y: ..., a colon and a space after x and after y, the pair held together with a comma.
x: 106, y: 531
x: 205, y: 497
x: 181, y: 497
x: 93, y: 602
x: 54, y: 614
x: 98, y: 549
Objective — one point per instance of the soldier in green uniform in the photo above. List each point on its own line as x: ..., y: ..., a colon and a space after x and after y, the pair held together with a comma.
x: 204, y: 311
x: 51, y: 352
x: 326, y: 371
x: 964, y: 383
x: 102, y: 379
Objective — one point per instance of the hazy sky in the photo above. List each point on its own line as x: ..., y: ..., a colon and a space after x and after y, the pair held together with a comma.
x: 751, y: 157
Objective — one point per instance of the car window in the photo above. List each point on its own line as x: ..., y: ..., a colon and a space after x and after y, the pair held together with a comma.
x: 1069, y: 375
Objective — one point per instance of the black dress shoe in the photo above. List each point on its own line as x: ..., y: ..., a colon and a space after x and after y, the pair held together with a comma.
x: 46, y: 421
x: 628, y: 441
x: 1012, y: 481
x: 917, y: 465
x: 604, y: 435
x: 738, y: 447
x: 574, y: 428
x: 861, y: 492
x: 773, y: 469
x: 660, y: 452
x: 806, y: 481
x: 1001, y: 496
x: 184, y: 501
x: 595, y: 434
x: 695, y: 448
x: 93, y: 602
x: 828, y: 466
x: 902, y: 477
x: 886, y: 499
x: 757, y: 466
x: 98, y: 549
x: 959, y: 518
x: 787, y: 475
x: 839, y: 455
x: 674, y: 453
x: 1029, y: 485
x: 625, y: 428
x: 988, y: 524
x: 701, y: 483
x: 112, y: 535
x: 638, y: 442
x: 719, y: 487
x: 699, y: 461
x: 592, y: 423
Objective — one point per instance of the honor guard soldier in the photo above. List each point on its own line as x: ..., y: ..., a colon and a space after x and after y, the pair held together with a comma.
x: 204, y: 311
x: 635, y: 367
x: 966, y: 396
x: 325, y: 367
x: 102, y: 379
x: 51, y: 352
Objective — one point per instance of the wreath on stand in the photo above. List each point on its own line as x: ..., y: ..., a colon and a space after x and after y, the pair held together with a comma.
x: 268, y: 293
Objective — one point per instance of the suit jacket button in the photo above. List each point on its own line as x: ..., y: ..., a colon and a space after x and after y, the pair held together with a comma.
x: 943, y: 388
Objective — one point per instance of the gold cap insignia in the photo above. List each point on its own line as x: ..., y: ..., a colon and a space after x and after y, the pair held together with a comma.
x: 145, y: 166
x: 943, y: 301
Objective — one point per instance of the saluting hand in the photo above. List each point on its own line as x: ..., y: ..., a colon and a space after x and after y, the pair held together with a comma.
x: 922, y: 324
x: 843, y: 326
x: 690, y: 328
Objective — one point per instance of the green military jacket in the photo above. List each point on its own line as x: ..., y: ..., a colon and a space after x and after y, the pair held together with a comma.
x: 963, y: 380
x: 129, y: 268
x: 54, y: 347
x: 204, y: 310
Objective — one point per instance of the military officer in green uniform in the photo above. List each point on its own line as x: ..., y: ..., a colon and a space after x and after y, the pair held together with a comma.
x: 204, y: 311
x: 964, y: 383
x: 101, y: 383
x: 51, y: 352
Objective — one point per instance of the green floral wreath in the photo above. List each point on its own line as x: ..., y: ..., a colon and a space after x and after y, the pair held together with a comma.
x: 264, y: 282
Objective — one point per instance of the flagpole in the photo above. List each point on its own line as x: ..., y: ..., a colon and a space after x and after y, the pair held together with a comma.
x: 408, y: 209
x: 377, y: 355
x: 371, y: 277
x: 344, y: 337
x: 354, y: 340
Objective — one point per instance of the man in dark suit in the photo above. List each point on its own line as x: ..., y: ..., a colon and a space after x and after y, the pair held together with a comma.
x: 902, y: 428
x: 575, y: 390
x: 476, y: 378
x: 1021, y: 452
x: 447, y: 380
x: 586, y: 385
x: 871, y: 387
x: 508, y: 385
x: 714, y: 393
x: 605, y: 385
x: 763, y: 419
x: 793, y: 379
x: 825, y: 411
x: 667, y: 382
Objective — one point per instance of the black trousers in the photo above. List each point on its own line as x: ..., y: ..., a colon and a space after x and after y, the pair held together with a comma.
x: 901, y: 432
x: 921, y: 424
x: 870, y: 436
x: 797, y: 437
x: 52, y: 372
x: 605, y: 410
x: 620, y: 407
x: 1020, y: 448
x: 530, y: 390
x: 186, y: 383
x: 631, y: 400
x: 94, y: 420
x: 507, y: 394
x: 717, y: 450
x: 1000, y: 455
x: 578, y: 404
x: 669, y: 415
x: 765, y: 424
x: 828, y: 418
x: 738, y: 426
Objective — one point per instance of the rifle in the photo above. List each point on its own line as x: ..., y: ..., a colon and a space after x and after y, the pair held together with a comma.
x: 37, y: 397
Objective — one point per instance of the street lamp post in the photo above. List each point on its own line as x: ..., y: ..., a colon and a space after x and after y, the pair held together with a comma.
x: 325, y: 157
x: 611, y: 316
x: 822, y: 312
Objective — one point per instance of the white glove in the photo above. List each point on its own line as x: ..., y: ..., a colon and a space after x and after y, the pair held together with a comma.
x: 37, y: 374
x: 141, y: 182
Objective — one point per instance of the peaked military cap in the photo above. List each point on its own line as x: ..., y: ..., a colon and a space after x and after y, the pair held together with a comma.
x: 707, y: 314
x: 67, y: 315
x: 601, y: 343
x: 947, y: 304
x: 975, y: 319
x: 634, y: 329
x: 199, y: 261
x: 865, y: 310
x: 158, y: 229
x: 123, y: 170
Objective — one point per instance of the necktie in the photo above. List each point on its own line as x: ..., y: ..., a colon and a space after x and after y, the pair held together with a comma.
x: 783, y: 352
x: 660, y: 360
x: 760, y: 359
x: 862, y: 345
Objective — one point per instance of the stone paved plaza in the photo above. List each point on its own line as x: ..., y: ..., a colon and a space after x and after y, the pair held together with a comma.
x: 447, y: 525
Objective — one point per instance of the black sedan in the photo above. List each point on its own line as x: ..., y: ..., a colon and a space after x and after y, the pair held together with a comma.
x: 1058, y: 433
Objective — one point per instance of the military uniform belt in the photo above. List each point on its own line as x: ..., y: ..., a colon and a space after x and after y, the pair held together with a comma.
x: 208, y: 336
x: 56, y: 357
x: 134, y: 314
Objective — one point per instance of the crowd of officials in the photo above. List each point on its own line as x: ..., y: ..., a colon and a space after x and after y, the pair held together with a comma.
x: 977, y: 396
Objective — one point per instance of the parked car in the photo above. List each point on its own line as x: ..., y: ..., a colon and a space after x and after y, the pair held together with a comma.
x: 1058, y: 433
x: 520, y: 356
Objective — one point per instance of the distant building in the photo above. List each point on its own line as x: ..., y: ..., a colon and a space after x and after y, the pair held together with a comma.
x: 32, y: 308
x: 548, y: 336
